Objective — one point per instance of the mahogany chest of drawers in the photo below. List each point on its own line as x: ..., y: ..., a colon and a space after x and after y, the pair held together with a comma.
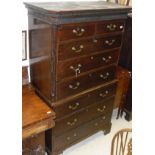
x: 74, y: 51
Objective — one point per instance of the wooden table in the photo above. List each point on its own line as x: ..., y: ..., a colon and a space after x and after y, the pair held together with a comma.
x: 37, y: 117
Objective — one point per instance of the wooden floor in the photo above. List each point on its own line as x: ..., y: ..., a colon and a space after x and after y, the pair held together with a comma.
x: 98, y: 144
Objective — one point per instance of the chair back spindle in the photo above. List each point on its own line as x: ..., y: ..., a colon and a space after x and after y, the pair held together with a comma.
x: 122, y: 143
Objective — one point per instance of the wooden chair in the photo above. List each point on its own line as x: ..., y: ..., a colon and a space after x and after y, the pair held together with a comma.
x: 122, y: 143
x: 122, y: 2
x: 124, y: 80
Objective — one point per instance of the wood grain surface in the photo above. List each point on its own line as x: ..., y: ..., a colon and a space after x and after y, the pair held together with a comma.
x: 36, y: 115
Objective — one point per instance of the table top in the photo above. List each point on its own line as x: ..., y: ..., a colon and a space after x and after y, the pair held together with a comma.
x: 73, y: 6
x: 34, y: 112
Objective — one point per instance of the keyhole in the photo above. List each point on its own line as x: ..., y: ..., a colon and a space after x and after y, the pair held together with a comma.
x: 77, y: 71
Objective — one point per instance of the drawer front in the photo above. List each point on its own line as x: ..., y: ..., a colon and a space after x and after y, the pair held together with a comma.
x: 86, y: 47
x: 109, y: 42
x: 81, y: 65
x: 84, y: 82
x: 75, y: 48
x: 67, y: 139
x: 110, y: 26
x: 72, y: 121
x: 75, y: 31
x: 85, y: 100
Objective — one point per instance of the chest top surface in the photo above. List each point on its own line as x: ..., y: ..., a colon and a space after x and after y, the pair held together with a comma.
x: 71, y: 6
x: 71, y: 12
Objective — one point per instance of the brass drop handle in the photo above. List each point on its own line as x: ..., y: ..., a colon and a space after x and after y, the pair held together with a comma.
x: 107, y: 59
x: 96, y: 124
x: 103, y: 118
x: 104, y: 77
x: 95, y: 40
x: 72, y: 123
x: 101, y: 110
x: 78, y: 31
x: 74, y: 107
x: 69, y: 138
x: 104, y: 94
x: 76, y: 69
x: 109, y: 42
x: 74, y: 87
x: 78, y: 50
x: 111, y: 27
x: 121, y: 26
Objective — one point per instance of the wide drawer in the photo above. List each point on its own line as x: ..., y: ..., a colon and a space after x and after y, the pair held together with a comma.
x: 110, y: 26
x: 65, y: 108
x: 89, y: 113
x: 75, y: 31
x: 70, y: 137
x: 81, y: 83
x: 80, y: 65
x: 86, y: 47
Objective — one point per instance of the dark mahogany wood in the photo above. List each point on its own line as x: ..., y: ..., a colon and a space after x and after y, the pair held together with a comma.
x: 67, y: 35
x: 90, y: 112
x: 75, y: 31
x: 78, y: 134
x: 68, y: 107
x: 76, y: 85
x: 84, y: 64
x: 88, y: 46
x: 110, y: 27
x: 125, y: 59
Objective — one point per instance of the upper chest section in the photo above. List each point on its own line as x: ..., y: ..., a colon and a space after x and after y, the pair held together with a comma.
x: 71, y: 12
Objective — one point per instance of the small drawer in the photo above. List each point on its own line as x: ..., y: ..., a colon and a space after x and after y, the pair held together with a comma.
x: 80, y: 65
x: 64, y: 140
x: 75, y: 48
x: 75, y: 31
x: 110, y: 26
x: 110, y: 42
x: 89, y: 113
x: 98, y: 95
x: 81, y: 83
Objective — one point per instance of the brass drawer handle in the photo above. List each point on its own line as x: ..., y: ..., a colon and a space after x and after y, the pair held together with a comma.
x: 95, y: 41
x: 111, y: 27
x: 104, y: 94
x: 78, y: 31
x: 107, y: 59
x: 69, y: 138
x: 76, y: 69
x: 103, y: 118
x: 101, y: 110
x: 78, y: 50
x: 75, y: 87
x: 74, y: 107
x: 121, y: 26
x: 96, y: 124
x: 104, y: 77
x: 72, y: 123
x: 109, y: 43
